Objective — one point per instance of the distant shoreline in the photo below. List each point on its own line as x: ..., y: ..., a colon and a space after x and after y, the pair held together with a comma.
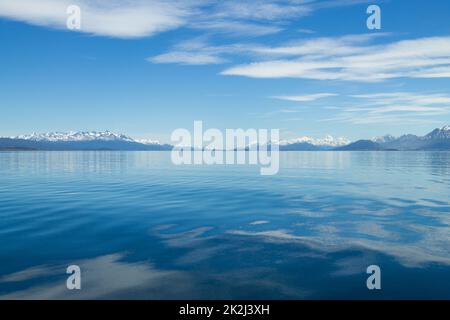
x: 436, y: 140
x: 283, y: 151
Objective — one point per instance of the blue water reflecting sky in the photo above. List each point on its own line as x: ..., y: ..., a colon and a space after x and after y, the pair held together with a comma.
x: 140, y: 227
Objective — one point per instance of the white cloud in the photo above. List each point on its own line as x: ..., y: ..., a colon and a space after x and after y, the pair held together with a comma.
x: 193, y: 52
x: 409, y: 108
x: 394, y: 107
x: 237, y: 28
x: 308, y: 31
x: 352, y: 59
x: 404, y: 97
x: 108, y: 277
x: 315, y: 47
x: 199, y: 51
x: 128, y: 19
x: 391, y: 119
x: 142, y: 18
x: 305, y: 98
x: 188, y: 58
x: 263, y: 10
x: 430, y: 249
x: 320, y: 47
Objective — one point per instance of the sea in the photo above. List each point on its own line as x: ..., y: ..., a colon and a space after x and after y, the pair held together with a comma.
x: 139, y: 227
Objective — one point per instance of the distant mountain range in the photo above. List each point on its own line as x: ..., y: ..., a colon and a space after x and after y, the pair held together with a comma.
x: 311, y: 144
x: 438, y: 139
x: 94, y: 140
x: 362, y: 145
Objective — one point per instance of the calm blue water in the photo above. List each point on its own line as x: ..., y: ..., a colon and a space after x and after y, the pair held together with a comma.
x: 140, y: 227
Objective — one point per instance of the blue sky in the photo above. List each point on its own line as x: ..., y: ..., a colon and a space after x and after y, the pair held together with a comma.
x: 146, y: 68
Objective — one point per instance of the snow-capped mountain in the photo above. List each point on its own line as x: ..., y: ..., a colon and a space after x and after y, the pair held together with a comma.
x: 148, y: 141
x: 443, y: 133
x: 327, y: 141
x: 384, y: 139
x: 75, y: 136
x: 79, y: 140
x: 438, y: 139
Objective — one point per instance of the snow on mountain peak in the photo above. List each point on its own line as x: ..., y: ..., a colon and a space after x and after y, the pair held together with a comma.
x: 148, y: 141
x: 327, y: 141
x: 75, y: 136
x: 443, y: 133
x: 384, y: 139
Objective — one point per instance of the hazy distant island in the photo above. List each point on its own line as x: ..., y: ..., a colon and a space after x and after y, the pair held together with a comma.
x: 436, y: 140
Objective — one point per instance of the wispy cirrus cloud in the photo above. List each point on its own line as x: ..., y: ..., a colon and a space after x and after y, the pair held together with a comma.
x: 127, y: 19
x: 385, y: 119
x: 226, y: 52
x: 260, y: 17
x: 394, y: 107
x: 143, y: 18
x: 306, y: 97
x: 411, y: 108
x: 347, y: 60
x: 274, y: 10
x: 263, y: 9
x: 404, y: 97
x: 187, y: 58
x: 307, y: 31
x: 194, y: 52
x: 236, y: 28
